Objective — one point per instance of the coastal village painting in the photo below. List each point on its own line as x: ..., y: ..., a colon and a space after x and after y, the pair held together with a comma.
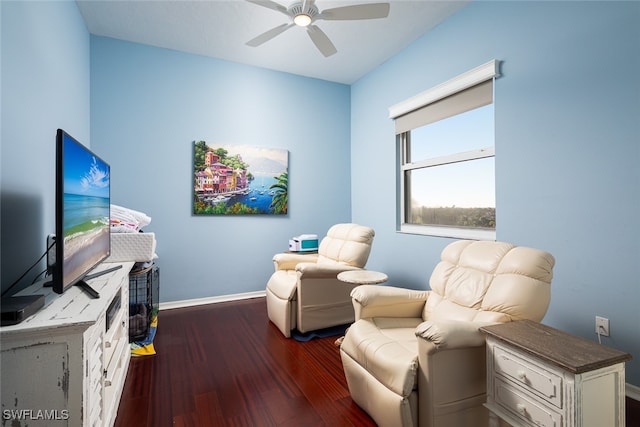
x: 239, y: 180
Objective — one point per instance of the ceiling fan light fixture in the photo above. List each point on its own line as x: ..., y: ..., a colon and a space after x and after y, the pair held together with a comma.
x: 302, y: 20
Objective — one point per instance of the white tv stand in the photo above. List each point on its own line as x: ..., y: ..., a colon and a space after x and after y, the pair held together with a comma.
x: 66, y: 365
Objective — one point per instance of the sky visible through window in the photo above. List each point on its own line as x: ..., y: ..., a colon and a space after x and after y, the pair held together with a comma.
x: 465, y: 184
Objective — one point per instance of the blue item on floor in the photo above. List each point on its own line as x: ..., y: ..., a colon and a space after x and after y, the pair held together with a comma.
x: 320, y: 333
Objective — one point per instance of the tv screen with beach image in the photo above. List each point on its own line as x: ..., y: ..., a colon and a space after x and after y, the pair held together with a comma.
x: 86, y: 211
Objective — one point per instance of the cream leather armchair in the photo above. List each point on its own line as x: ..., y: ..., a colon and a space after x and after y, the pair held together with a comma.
x: 416, y: 358
x: 304, y: 293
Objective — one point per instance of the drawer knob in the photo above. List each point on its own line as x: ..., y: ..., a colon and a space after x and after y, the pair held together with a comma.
x: 522, y: 409
x: 522, y: 376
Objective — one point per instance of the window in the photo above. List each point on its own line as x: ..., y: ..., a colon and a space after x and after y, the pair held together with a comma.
x: 446, y: 167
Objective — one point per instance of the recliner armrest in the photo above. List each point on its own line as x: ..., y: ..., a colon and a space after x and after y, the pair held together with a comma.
x: 387, y: 301
x: 289, y: 261
x: 452, y: 333
x: 322, y: 270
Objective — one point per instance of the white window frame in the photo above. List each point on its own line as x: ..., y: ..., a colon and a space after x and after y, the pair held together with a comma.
x: 487, y: 71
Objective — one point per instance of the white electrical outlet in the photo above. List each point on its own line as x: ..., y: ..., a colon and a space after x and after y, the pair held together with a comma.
x: 602, y: 326
x: 51, y: 251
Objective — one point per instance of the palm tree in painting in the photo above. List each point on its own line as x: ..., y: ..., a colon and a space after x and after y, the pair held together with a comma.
x: 280, y: 200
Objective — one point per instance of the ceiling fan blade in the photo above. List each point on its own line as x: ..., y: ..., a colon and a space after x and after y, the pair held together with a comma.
x: 268, y: 35
x: 270, y: 5
x: 320, y: 39
x: 359, y: 11
x: 305, y: 5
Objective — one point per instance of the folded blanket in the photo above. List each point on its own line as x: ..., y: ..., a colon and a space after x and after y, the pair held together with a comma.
x: 118, y: 226
x: 145, y: 347
x: 125, y: 220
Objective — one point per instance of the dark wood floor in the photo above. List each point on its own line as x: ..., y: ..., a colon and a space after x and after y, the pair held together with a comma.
x: 633, y: 413
x: 227, y: 365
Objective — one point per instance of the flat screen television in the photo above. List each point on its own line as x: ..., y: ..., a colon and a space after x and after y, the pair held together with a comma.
x: 83, y: 203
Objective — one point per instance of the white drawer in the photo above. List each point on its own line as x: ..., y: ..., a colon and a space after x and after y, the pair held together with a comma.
x: 525, y: 406
x: 532, y: 377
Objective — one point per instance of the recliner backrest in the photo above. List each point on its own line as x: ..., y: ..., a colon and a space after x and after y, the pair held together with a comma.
x: 490, y: 282
x: 346, y: 244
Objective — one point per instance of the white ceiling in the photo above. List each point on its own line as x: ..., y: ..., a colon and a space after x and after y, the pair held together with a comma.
x: 220, y: 29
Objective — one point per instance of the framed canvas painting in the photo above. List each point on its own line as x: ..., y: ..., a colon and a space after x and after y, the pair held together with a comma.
x: 239, y: 180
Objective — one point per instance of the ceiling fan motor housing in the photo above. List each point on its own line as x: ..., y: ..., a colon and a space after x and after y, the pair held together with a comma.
x: 296, y: 9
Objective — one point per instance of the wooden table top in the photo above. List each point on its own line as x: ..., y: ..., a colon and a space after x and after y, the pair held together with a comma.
x: 569, y: 352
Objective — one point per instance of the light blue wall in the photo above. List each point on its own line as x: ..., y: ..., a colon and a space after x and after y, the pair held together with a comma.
x: 45, y: 85
x: 149, y: 104
x: 567, y: 150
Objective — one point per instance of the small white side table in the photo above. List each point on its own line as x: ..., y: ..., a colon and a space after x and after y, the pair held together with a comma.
x: 362, y: 277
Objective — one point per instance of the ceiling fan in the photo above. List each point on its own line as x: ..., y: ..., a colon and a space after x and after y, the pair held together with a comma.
x: 305, y: 13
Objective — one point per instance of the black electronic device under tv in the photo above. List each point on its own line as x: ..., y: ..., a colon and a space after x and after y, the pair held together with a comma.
x: 83, y: 202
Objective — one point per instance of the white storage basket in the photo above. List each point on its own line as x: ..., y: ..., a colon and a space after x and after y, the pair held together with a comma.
x: 138, y: 247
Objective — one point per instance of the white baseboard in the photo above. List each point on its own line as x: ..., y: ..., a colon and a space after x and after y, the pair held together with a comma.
x: 210, y: 300
x: 632, y: 392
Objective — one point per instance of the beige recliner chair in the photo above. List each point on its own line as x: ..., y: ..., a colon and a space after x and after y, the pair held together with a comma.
x: 304, y: 293
x: 416, y: 358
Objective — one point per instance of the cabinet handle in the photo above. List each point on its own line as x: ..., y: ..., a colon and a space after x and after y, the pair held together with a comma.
x: 522, y: 409
x: 522, y: 376
x: 105, y: 374
x: 107, y: 344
